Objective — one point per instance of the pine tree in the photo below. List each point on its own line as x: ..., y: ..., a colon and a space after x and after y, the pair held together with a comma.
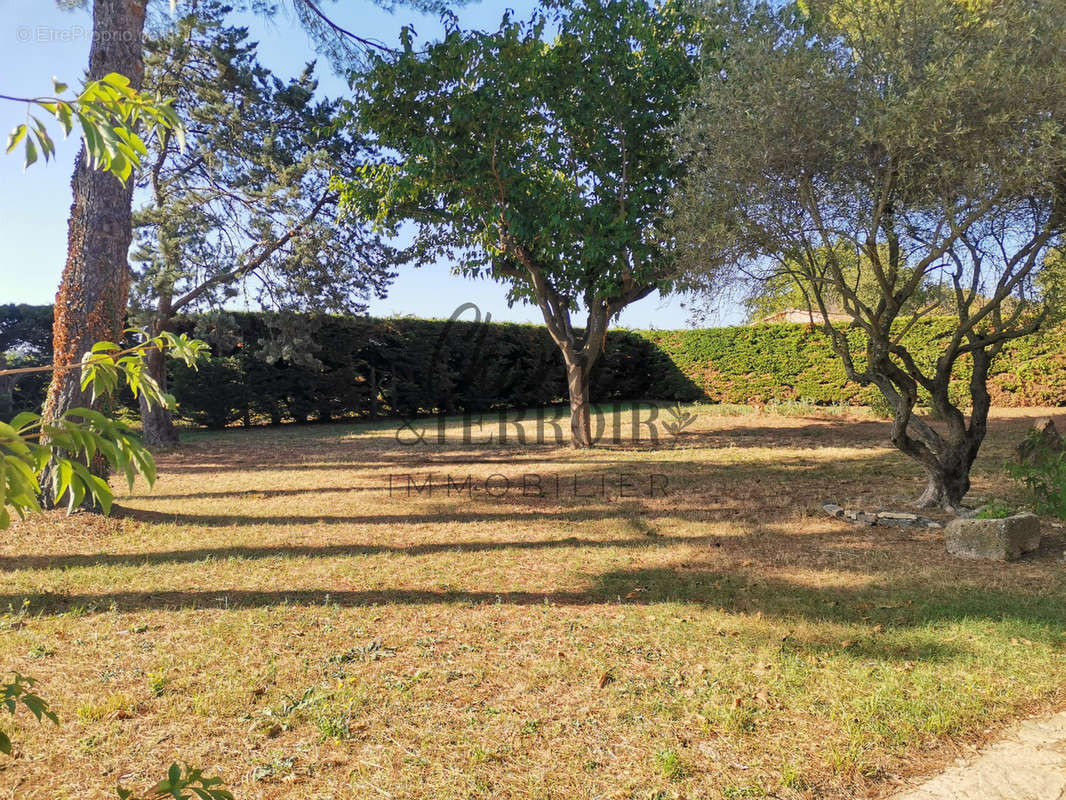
x: 247, y: 207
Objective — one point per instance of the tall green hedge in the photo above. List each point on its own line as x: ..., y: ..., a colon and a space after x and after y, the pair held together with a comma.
x: 371, y: 367
x: 268, y: 367
x: 25, y: 341
x: 776, y: 362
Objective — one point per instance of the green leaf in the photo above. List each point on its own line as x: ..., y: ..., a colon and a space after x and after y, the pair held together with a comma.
x: 66, y: 473
x: 117, y: 80
x: 15, y: 137
x: 65, y: 117
x: 24, y: 420
x: 31, y: 153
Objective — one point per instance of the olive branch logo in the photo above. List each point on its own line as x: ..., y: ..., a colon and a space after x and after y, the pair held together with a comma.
x: 680, y: 419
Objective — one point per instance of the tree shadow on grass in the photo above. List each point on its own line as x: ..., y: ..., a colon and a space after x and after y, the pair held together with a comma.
x: 414, y: 517
x: 90, y: 560
x: 571, y: 492
x: 371, y: 452
x: 890, y: 604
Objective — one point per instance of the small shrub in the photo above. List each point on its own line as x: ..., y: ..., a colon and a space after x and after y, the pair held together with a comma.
x: 157, y: 683
x: 42, y: 651
x: 995, y: 510
x: 334, y: 726
x: 181, y: 782
x: 1043, y: 475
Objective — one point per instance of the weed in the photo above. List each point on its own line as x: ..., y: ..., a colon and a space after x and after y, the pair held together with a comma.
x: 1043, y: 475
x: 994, y: 509
x: 157, y: 683
x: 42, y: 651
x: 113, y: 706
x: 672, y: 766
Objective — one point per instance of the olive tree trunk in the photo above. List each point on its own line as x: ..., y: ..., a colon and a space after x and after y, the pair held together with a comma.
x: 946, y: 455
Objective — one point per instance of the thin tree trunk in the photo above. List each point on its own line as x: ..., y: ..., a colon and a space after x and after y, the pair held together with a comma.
x: 91, y: 302
x: 577, y: 379
x: 157, y: 422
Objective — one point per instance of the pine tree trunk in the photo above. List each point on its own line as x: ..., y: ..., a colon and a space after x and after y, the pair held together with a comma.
x: 577, y: 379
x: 91, y: 302
x: 157, y: 423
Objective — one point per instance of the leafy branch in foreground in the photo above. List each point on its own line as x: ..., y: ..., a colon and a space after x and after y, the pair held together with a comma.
x: 113, y: 118
x: 182, y: 783
x: 81, y: 435
x: 18, y: 691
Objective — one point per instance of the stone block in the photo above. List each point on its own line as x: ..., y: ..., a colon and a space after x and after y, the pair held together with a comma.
x: 995, y: 539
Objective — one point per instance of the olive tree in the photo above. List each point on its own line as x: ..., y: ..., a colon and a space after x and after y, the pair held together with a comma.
x: 542, y: 163
x: 863, y: 145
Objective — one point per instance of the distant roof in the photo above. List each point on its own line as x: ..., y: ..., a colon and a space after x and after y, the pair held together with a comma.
x: 803, y: 315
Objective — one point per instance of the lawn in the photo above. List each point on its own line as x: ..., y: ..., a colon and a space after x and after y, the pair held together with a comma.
x: 288, y: 611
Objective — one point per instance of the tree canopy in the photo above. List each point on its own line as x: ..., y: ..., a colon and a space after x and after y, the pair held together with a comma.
x: 537, y: 155
x: 246, y: 206
x: 858, y: 146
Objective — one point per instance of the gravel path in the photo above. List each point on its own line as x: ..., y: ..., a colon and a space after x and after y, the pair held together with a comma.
x: 1030, y: 764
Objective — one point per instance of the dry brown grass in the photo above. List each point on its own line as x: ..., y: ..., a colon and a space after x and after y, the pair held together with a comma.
x: 272, y: 614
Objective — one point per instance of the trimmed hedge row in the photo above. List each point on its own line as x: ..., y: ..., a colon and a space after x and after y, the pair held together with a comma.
x: 378, y: 367
x: 777, y: 362
x: 268, y: 367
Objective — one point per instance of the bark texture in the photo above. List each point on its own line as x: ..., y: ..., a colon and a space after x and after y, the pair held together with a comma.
x: 157, y: 421
x: 91, y: 302
x: 578, y: 374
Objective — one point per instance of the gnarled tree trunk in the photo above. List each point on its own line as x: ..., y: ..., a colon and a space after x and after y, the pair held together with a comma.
x: 946, y: 455
x: 91, y: 302
x: 946, y: 488
x: 949, y: 477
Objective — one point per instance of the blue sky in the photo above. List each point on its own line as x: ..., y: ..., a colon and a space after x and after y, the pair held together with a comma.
x: 38, y: 40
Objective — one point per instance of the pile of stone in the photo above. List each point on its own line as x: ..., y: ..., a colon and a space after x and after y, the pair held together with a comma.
x: 887, y: 519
